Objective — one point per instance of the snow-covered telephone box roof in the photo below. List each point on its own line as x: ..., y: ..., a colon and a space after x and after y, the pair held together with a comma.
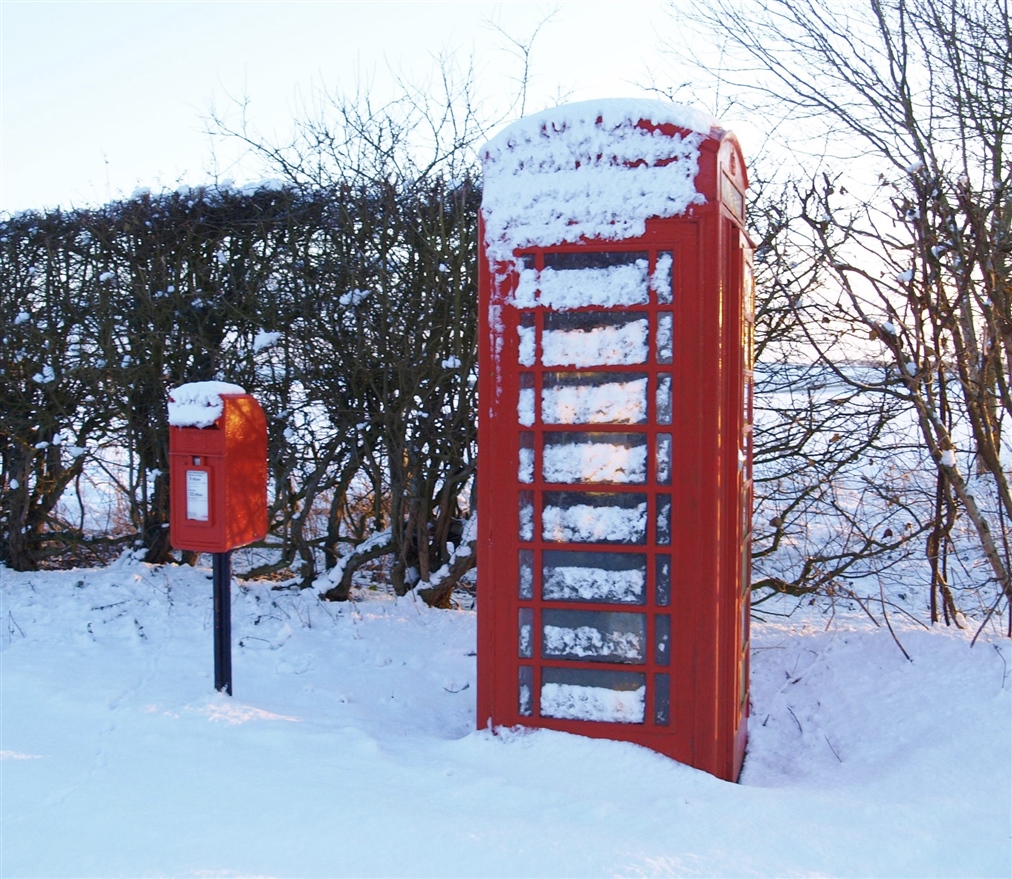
x: 591, y: 170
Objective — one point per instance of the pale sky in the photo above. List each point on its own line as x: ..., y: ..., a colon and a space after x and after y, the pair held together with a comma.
x: 100, y: 98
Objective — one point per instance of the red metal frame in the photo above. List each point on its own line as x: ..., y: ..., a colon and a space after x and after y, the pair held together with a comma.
x: 702, y: 675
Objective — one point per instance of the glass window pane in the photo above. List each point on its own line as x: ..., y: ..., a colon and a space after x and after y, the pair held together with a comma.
x: 662, y: 278
x: 594, y: 517
x: 594, y: 398
x: 525, y: 463
x: 619, y: 577
x: 526, y: 633
x: 525, y: 706
x: 526, y: 574
x: 595, y: 339
x: 525, y: 402
x: 574, y: 280
x: 663, y: 398
x: 526, y: 331
x: 574, y: 457
x: 662, y: 639
x: 664, y: 459
x: 664, y: 343
x: 662, y: 580
x: 593, y: 636
x: 526, y: 515
x: 589, y: 694
x: 663, y: 519
x: 662, y: 699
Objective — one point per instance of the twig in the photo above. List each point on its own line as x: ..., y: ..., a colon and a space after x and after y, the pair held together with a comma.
x: 831, y: 748
x: 987, y: 618
x: 798, y: 722
x: 13, y: 622
x: 1004, y: 664
x: 889, y: 625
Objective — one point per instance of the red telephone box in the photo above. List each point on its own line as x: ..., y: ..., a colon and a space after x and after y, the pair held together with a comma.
x: 217, y: 467
x: 615, y: 438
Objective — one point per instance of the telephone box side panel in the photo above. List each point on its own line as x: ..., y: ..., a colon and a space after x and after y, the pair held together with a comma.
x: 736, y: 407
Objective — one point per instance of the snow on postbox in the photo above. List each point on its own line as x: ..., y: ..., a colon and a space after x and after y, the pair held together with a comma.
x: 615, y: 437
x: 218, y: 467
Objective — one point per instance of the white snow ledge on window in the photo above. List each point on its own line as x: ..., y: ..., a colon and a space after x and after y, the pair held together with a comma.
x: 571, y: 172
x: 198, y: 404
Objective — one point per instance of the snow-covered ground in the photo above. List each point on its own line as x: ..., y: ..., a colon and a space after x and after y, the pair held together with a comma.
x: 348, y: 748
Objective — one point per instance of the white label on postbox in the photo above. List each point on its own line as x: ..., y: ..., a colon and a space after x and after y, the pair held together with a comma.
x: 197, y: 495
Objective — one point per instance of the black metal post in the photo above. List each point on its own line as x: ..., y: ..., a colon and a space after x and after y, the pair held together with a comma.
x: 222, y: 568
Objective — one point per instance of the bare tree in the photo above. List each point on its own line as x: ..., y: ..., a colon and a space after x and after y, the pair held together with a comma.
x: 907, y: 214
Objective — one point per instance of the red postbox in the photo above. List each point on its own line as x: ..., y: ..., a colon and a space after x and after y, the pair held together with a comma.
x: 615, y: 439
x: 218, y: 467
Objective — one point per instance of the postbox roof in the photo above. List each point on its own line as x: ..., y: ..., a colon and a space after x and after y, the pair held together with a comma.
x: 591, y: 170
x: 198, y: 404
